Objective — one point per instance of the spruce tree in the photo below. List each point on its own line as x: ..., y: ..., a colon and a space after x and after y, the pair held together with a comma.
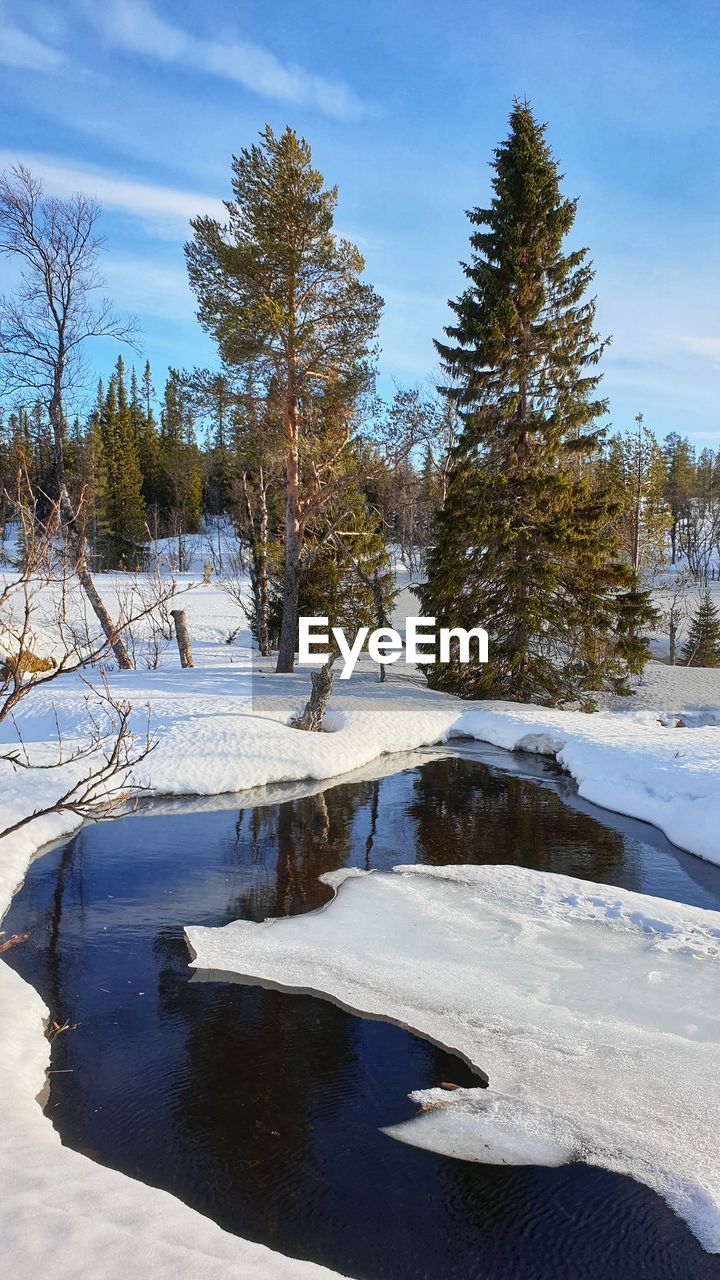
x: 148, y: 444
x: 521, y: 545
x: 633, y: 470
x: 124, y: 507
x: 180, y: 465
x: 702, y: 647
x: 679, y: 483
x: 94, y: 475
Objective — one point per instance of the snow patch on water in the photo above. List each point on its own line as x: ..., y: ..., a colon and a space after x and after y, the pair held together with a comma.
x: 593, y: 1010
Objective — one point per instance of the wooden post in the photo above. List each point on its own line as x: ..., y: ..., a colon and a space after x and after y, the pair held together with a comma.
x: 182, y: 636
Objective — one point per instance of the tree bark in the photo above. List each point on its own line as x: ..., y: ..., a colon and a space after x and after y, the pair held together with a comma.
x: 77, y: 546
x: 293, y: 535
x: 259, y: 557
x: 182, y: 635
x: 313, y: 714
x: 75, y: 539
x: 291, y: 594
x: 262, y: 572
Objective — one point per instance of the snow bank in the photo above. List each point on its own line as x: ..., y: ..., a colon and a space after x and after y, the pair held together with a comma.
x: 593, y: 1010
x: 223, y: 727
x: 672, y: 694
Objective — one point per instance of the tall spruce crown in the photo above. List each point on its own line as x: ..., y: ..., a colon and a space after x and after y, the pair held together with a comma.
x: 524, y: 545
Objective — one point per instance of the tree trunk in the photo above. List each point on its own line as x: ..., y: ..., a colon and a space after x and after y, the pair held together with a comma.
x: 75, y: 539
x: 259, y: 562
x: 262, y: 572
x: 380, y: 614
x: 182, y: 635
x: 291, y: 596
x: 77, y: 546
x: 293, y: 542
x: 313, y: 715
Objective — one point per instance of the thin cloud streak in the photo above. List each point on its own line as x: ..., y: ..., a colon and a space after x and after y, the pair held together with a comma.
x: 134, y: 26
x: 166, y: 209
x: 25, y: 52
x: 708, y: 348
x: 150, y: 289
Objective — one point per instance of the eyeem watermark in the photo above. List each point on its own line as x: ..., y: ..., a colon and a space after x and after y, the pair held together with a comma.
x: 423, y: 644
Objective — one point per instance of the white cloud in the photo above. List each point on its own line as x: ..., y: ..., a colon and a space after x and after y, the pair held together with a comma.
x: 707, y: 347
x: 19, y: 49
x: 166, y: 209
x: 134, y: 25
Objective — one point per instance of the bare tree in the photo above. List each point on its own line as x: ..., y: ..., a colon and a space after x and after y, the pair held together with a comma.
x: 33, y: 603
x: 44, y: 327
x: 700, y: 537
x: 674, y: 609
x: 97, y: 765
x: 109, y: 753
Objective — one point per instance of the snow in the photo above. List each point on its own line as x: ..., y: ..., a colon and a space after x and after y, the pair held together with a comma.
x: 593, y: 1010
x: 665, y: 594
x: 223, y: 727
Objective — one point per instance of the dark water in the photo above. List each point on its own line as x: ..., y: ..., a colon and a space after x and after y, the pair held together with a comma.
x: 263, y: 1109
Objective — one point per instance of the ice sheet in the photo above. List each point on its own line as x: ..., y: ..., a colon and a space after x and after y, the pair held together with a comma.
x: 593, y: 1010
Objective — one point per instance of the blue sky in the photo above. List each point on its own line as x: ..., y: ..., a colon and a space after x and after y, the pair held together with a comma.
x: 142, y: 102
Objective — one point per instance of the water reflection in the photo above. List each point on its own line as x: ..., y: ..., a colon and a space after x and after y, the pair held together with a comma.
x: 462, y: 812
x: 263, y: 1109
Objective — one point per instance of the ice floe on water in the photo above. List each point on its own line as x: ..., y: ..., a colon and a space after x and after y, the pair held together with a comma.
x: 593, y: 1010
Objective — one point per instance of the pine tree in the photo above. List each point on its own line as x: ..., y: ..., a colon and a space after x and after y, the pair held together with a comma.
x: 520, y: 546
x: 702, y: 647
x: 282, y: 294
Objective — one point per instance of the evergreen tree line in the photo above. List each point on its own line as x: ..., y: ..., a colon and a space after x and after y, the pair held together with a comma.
x: 152, y: 470
x: 141, y: 474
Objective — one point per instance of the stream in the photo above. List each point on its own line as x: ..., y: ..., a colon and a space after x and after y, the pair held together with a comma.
x: 263, y: 1109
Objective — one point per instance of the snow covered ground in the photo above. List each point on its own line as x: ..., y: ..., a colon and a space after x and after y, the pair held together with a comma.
x: 593, y: 1011
x: 223, y: 727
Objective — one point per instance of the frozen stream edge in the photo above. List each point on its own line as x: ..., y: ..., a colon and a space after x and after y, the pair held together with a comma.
x: 593, y: 1009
